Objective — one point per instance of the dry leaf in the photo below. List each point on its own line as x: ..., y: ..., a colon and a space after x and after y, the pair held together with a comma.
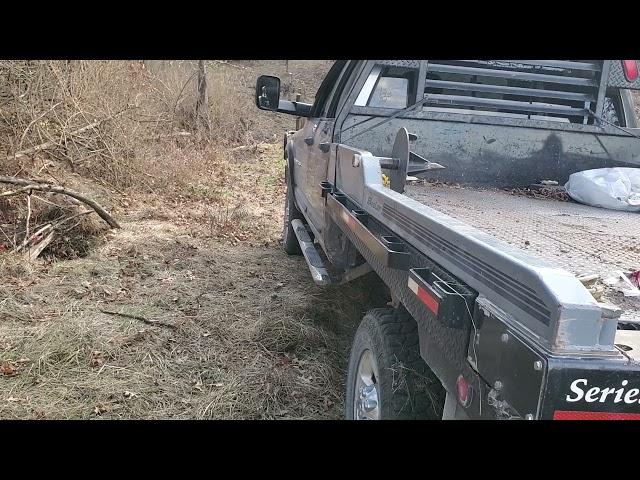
x: 8, y: 369
x: 128, y: 394
x: 100, y: 409
x: 283, y: 360
x: 38, y: 413
x: 96, y: 359
x: 106, y: 291
x: 129, y: 339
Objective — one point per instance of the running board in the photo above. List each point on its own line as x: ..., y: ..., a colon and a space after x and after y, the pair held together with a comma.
x: 319, y: 272
x: 314, y: 261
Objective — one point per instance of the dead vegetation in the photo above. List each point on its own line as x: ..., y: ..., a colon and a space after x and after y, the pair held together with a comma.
x: 251, y: 336
x: 118, y: 130
x: 190, y: 310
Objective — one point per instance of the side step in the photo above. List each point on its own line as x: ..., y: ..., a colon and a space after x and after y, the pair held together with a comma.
x: 314, y: 261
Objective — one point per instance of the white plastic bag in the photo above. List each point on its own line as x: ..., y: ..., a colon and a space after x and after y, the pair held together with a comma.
x: 620, y: 282
x: 614, y: 188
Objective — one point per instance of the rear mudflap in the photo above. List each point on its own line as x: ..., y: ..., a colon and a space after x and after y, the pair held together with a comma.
x: 592, y: 389
x: 525, y: 381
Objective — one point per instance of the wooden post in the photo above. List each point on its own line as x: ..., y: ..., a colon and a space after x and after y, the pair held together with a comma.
x: 289, y: 79
x: 298, y: 119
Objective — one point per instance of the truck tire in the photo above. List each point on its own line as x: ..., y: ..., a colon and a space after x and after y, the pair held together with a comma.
x: 289, y: 239
x: 387, y: 379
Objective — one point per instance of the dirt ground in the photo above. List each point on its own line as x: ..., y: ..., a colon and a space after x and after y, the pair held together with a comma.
x: 189, y: 311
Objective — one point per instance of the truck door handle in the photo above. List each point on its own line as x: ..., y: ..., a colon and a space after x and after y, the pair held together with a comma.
x: 308, y: 141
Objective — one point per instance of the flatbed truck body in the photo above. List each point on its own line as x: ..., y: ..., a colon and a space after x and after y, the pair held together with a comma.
x: 488, y: 277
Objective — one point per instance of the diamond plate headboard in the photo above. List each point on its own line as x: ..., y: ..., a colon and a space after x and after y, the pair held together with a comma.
x: 617, y: 78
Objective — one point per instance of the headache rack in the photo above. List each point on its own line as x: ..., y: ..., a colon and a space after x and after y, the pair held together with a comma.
x: 559, y: 90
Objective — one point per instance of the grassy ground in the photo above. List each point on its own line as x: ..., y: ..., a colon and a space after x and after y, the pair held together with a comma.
x: 242, y: 331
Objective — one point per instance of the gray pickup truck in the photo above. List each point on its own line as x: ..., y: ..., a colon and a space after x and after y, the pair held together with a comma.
x: 425, y: 172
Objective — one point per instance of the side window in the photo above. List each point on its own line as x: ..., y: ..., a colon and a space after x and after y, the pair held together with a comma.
x: 391, y: 87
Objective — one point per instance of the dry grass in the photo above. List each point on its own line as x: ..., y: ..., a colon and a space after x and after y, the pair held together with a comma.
x: 254, y: 338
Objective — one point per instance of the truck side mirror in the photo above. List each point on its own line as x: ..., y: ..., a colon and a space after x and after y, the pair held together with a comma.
x: 268, y: 92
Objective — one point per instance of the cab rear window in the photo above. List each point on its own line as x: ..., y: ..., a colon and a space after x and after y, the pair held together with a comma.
x: 390, y: 87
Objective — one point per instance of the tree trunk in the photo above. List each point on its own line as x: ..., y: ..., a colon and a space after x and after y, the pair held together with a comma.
x: 202, y: 105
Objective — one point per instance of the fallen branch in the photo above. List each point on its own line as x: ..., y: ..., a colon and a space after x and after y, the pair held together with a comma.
x: 34, y: 251
x: 30, y: 239
x: 168, y: 135
x: 230, y: 64
x: 28, y: 214
x: 28, y: 185
x: 255, y: 146
x: 86, y: 212
x: 138, y: 317
x: 10, y: 193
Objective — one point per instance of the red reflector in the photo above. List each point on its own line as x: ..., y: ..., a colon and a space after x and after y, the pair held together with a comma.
x: 463, y: 391
x: 569, y: 415
x: 428, y: 300
x: 630, y: 68
x: 424, y: 296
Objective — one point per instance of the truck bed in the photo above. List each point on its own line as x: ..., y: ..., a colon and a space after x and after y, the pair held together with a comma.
x: 578, y: 238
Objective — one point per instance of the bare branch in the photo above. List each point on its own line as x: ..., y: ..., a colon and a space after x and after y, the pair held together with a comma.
x: 47, y: 187
x: 138, y: 317
x: 54, y: 143
x: 28, y: 213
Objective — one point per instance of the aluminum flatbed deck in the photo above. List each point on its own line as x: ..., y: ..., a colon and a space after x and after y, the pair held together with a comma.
x: 578, y: 238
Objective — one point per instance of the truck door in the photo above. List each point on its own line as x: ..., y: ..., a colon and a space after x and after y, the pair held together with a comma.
x: 312, y: 143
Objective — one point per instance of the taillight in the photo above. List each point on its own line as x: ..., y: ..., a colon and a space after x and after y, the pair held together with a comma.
x: 572, y: 415
x: 464, y: 392
x: 630, y: 68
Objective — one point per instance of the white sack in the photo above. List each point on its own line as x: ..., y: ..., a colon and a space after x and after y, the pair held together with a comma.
x: 613, y: 188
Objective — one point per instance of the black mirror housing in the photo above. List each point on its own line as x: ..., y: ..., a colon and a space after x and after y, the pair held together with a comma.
x: 268, y: 98
x: 268, y: 93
